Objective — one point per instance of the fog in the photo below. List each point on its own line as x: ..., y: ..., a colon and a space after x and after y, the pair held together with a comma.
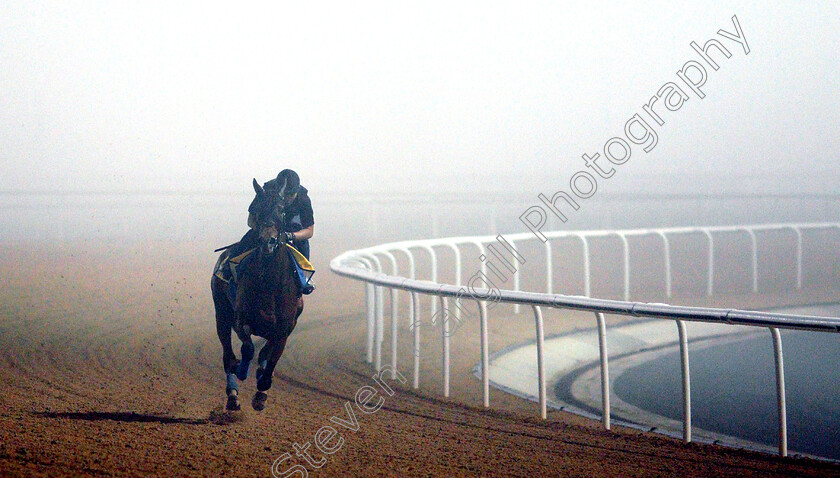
x: 426, y: 98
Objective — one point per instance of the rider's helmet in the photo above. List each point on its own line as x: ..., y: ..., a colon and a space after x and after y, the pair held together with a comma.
x: 288, y: 182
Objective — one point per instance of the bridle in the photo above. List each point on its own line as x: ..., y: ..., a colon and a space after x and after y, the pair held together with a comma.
x: 271, y: 217
x: 269, y: 230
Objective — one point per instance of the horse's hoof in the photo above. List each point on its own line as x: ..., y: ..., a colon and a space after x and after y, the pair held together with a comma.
x: 259, y: 401
x: 233, y: 400
x: 233, y: 403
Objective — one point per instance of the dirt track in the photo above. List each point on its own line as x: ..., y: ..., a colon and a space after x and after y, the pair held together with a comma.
x: 111, y: 366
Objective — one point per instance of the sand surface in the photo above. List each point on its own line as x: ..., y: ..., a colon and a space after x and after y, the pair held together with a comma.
x: 111, y: 366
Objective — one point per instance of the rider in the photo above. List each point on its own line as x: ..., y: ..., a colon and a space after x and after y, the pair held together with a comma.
x: 299, y: 223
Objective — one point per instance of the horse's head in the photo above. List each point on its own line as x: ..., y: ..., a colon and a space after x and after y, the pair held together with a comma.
x: 269, y: 216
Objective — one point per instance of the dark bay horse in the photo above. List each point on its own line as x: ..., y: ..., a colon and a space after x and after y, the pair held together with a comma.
x: 266, y: 302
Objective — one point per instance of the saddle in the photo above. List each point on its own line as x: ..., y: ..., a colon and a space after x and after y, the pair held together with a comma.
x: 231, y: 268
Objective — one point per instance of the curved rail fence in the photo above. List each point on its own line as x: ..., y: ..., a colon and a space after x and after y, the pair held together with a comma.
x: 368, y: 265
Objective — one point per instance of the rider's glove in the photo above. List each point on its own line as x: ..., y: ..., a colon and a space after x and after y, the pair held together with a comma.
x: 289, y: 237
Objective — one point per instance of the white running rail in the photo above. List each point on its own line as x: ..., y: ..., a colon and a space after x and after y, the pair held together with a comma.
x: 366, y: 265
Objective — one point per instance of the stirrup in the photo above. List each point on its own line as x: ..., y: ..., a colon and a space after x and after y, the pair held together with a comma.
x: 307, y: 288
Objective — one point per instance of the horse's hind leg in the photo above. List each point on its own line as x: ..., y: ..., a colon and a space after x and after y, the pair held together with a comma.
x: 223, y: 321
x: 229, y: 360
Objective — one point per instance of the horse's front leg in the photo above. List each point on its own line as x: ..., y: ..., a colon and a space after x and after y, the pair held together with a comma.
x: 247, y: 351
x: 269, y: 355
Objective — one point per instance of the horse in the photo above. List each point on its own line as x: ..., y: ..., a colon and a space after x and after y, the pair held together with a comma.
x: 267, y: 302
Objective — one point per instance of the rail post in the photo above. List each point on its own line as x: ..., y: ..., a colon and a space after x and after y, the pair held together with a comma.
x: 445, y: 333
x: 686, y: 380
x: 626, y: 244
x: 395, y: 309
x: 754, y: 244
x: 780, y: 389
x: 798, y: 256
x: 710, y: 285
x: 586, y: 275
x: 538, y: 322
x: 485, y: 360
x: 370, y: 300
x: 605, y: 370
x: 433, y: 258
x: 667, y: 250
x: 379, y: 296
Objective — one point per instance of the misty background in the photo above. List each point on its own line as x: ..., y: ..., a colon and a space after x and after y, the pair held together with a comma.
x: 128, y: 122
x: 406, y: 120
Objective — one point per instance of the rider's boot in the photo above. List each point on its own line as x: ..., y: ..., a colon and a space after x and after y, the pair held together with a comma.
x: 307, y: 288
